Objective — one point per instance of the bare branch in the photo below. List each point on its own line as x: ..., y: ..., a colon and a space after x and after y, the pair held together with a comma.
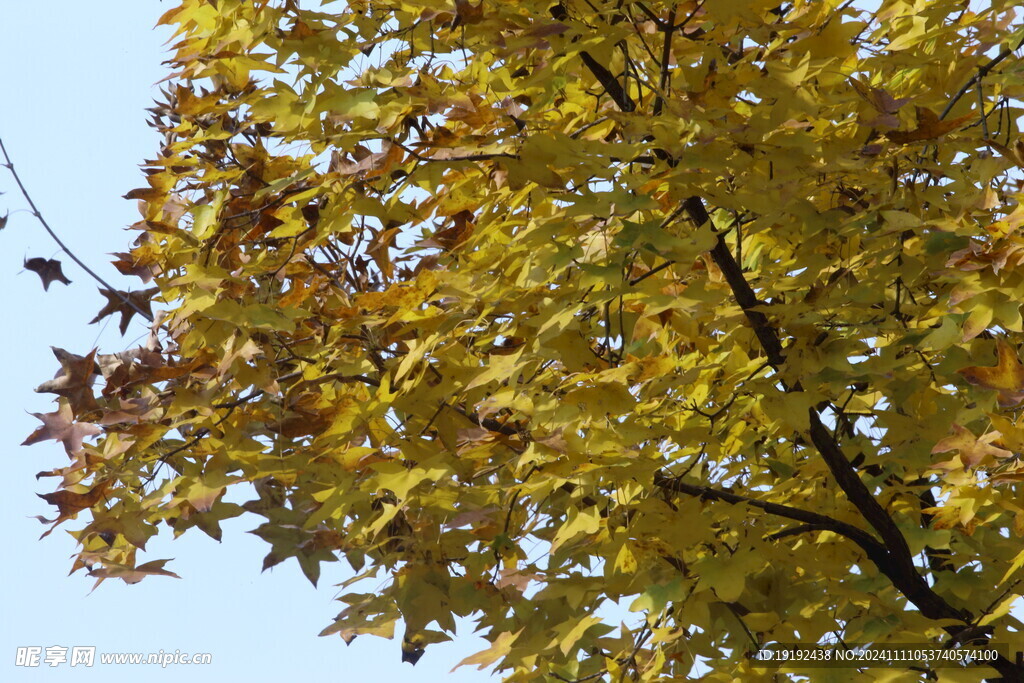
x: 46, y: 226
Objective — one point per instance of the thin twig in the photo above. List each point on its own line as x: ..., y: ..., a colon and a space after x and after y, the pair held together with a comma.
x: 466, y: 157
x: 46, y: 226
x: 640, y: 278
x: 981, y: 109
x: 982, y: 72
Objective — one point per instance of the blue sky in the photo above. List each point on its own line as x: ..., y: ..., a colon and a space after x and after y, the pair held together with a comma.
x: 74, y: 81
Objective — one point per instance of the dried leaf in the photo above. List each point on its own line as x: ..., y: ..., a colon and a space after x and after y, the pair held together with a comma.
x: 929, y: 127
x: 48, y: 270
x: 127, y: 304
x: 60, y: 426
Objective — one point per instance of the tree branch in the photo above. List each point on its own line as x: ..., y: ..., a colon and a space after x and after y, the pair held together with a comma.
x: 603, y: 75
x: 487, y: 423
x: 982, y: 72
x: 874, y: 550
x: 897, y: 562
x: 666, y: 54
x: 467, y: 157
x: 46, y: 226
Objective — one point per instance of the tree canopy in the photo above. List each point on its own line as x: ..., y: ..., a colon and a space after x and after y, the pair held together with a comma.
x: 540, y: 312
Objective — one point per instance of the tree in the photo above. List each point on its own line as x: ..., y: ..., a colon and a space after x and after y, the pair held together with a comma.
x: 708, y: 310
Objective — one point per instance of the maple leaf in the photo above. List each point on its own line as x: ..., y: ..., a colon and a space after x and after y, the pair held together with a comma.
x: 131, y: 575
x: 881, y: 100
x: 469, y: 14
x: 1006, y: 376
x: 74, y: 382
x: 127, y: 265
x: 70, y: 503
x: 500, y: 647
x: 60, y: 426
x: 974, y: 451
x: 1014, y: 153
x: 929, y: 127
x: 127, y: 304
x: 48, y: 270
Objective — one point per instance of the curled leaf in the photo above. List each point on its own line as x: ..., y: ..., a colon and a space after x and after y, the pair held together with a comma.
x: 48, y: 270
x: 132, y: 574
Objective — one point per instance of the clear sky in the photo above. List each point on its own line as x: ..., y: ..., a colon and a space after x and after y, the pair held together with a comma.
x: 75, y: 79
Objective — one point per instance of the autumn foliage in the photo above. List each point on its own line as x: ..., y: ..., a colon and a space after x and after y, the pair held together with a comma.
x: 537, y: 312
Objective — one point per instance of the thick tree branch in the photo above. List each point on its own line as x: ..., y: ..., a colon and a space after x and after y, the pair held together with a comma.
x: 745, y: 296
x: 488, y: 423
x: 666, y: 54
x: 609, y: 82
x: 897, y: 563
x: 605, y: 77
x: 874, y: 550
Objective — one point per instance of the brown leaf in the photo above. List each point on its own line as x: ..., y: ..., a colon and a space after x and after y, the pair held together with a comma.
x: 469, y: 14
x: 48, y: 271
x: 883, y: 102
x: 146, y: 194
x: 453, y: 236
x: 302, y: 418
x: 122, y: 302
x: 109, y: 362
x: 469, y: 517
x: 554, y: 441
x: 929, y: 127
x: 74, y: 381
x: 60, y: 426
x: 126, y: 264
x: 367, y: 164
x: 517, y: 579
x: 301, y: 30
x: 69, y: 503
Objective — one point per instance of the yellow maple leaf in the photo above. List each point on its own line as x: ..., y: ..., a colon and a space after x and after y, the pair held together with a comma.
x: 973, y: 450
x: 1006, y: 376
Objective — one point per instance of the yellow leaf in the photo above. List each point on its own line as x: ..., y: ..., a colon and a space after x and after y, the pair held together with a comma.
x: 567, y: 640
x: 500, y: 647
x: 625, y: 560
x: 1006, y: 376
x: 577, y: 522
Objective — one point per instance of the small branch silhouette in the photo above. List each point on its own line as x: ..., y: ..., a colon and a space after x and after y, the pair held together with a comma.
x: 46, y: 226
